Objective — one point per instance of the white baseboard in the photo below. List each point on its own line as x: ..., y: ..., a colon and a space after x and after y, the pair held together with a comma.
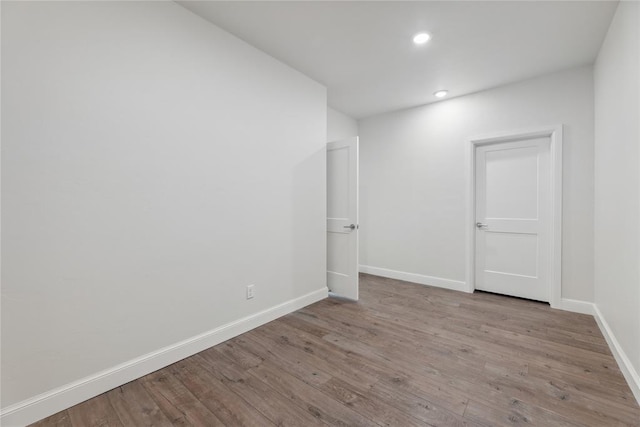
x: 416, y: 278
x: 577, y: 306
x: 43, y: 405
x: 629, y: 372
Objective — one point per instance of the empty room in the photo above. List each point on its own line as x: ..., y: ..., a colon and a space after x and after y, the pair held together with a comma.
x: 371, y: 213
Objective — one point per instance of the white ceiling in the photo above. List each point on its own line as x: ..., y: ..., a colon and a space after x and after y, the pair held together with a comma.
x: 363, y: 51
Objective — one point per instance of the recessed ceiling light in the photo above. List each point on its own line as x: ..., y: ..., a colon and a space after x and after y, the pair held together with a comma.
x: 421, y: 38
x: 441, y: 93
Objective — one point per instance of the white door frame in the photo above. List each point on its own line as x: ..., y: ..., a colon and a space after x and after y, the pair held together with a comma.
x: 555, y: 135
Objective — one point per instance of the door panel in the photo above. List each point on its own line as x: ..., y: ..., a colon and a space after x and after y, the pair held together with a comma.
x: 512, y: 253
x: 337, y: 182
x: 512, y: 183
x: 338, y: 250
x: 514, y: 218
x: 342, y: 218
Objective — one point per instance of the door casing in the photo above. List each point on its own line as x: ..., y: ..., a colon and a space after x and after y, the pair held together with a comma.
x: 554, y: 133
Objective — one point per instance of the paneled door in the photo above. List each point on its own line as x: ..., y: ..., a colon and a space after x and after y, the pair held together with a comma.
x: 514, y: 218
x: 342, y: 218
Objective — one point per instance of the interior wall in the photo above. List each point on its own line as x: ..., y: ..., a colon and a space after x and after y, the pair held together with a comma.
x: 340, y: 126
x: 617, y: 181
x: 153, y: 166
x: 413, y: 183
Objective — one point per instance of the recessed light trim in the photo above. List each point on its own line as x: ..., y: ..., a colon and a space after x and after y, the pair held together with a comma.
x: 421, y: 38
x: 441, y: 93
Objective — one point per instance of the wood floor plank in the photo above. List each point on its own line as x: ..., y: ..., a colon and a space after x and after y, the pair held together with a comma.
x: 352, y: 391
x: 404, y: 355
x: 505, y: 389
x: 309, y: 398
x: 300, y: 367
x: 416, y: 406
x: 500, y: 345
x: 226, y: 405
x: 135, y: 407
x: 397, y: 378
x: 282, y: 338
x: 599, y: 390
x: 388, y: 387
x: 273, y: 405
x: 94, y: 412
x: 61, y: 419
x: 178, y: 404
x: 368, y: 404
x: 518, y: 413
x: 309, y: 374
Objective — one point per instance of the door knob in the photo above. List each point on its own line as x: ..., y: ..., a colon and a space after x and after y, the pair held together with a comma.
x: 481, y: 225
x: 350, y: 226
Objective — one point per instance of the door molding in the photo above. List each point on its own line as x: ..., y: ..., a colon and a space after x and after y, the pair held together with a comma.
x: 555, y: 135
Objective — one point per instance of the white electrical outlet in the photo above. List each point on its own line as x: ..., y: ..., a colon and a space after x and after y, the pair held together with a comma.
x: 250, y: 291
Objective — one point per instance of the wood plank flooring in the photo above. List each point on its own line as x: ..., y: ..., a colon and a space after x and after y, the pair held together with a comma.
x: 405, y: 355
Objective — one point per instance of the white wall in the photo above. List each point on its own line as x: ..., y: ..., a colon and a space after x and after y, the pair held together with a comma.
x: 152, y: 166
x: 340, y: 126
x: 413, y: 185
x: 617, y: 183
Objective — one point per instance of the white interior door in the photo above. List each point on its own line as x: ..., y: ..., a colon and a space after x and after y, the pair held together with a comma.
x: 342, y: 218
x: 513, y: 218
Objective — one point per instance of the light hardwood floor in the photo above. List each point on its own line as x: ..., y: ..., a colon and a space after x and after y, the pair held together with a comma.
x: 405, y: 355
